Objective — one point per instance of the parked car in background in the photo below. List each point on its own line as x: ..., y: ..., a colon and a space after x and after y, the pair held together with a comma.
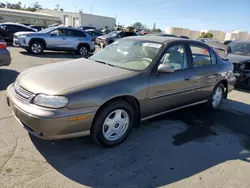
x: 184, y: 37
x: 239, y: 54
x: 227, y: 42
x: 86, y: 27
x: 58, y: 39
x: 94, y: 33
x: 5, y: 58
x: 36, y: 27
x: 9, y: 29
x: 105, y: 40
x: 131, y: 80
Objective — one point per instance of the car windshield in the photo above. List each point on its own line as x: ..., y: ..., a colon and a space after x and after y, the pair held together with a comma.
x: 239, y: 48
x: 113, y: 34
x: 128, y: 54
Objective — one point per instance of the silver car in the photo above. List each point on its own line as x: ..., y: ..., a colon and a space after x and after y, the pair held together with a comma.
x: 58, y: 39
x: 133, y: 79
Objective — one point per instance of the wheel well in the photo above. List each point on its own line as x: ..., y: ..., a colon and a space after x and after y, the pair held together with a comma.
x: 39, y: 40
x: 225, y: 83
x: 129, y: 99
x: 83, y: 44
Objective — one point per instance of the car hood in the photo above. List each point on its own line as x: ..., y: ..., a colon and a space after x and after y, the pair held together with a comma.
x: 105, y: 37
x: 64, y: 77
x: 237, y: 58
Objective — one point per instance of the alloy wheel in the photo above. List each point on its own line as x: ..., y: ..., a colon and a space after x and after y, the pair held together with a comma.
x: 217, y: 97
x: 83, y: 51
x: 36, y: 48
x: 115, y: 125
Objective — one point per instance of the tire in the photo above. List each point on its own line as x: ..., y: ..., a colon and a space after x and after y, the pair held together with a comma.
x: 117, y: 127
x: 83, y: 50
x: 217, y: 97
x: 36, y: 47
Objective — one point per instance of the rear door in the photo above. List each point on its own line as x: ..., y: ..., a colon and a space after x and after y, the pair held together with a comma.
x: 57, y: 39
x: 205, y: 69
x: 74, y: 38
x: 172, y: 90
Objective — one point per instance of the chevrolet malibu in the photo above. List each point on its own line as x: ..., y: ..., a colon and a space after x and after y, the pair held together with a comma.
x: 105, y: 96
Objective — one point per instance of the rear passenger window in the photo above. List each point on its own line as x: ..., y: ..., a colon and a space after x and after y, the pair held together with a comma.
x: 201, y: 56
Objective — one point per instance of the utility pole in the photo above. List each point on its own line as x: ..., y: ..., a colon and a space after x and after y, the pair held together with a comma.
x: 91, y: 10
x: 57, y: 7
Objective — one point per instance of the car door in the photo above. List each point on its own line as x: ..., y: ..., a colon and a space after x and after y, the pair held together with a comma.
x: 74, y: 37
x: 172, y: 90
x: 205, y: 69
x: 57, y: 39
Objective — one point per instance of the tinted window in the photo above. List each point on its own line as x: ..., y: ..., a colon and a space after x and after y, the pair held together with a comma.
x: 76, y: 33
x: 239, y: 48
x: 201, y: 56
x: 175, y: 57
x: 16, y: 28
x: 128, y: 34
x: 58, y: 32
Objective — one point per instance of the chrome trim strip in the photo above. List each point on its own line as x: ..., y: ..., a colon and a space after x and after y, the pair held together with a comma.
x: 179, y: 92
x: 193, y: 104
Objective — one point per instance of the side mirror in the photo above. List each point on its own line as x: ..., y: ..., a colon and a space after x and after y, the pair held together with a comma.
x: 165, y: 68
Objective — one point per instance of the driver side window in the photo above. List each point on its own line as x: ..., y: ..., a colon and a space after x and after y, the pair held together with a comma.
x: 175, y: 57
x: 58, y: 32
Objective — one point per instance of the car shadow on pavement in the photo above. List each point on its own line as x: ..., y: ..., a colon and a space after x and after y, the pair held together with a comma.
x: 162, y: 151
x: 7, y: 77
x: 66, y: 55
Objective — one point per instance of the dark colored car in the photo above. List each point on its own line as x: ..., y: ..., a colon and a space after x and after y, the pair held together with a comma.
x: 168, y: 35
x: 36, y: 27
x: 7, y: 30
x: 85, y: 27
x: 239, y: 54
x: 105, y: 40
x: 94, y: 33
x: 5, y: 58
x: 131, y: 80
x: 184, y: 37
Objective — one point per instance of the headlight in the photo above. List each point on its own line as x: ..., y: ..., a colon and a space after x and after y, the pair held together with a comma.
x: 50, y: 101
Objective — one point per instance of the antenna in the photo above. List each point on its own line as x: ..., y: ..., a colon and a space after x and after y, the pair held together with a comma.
x: 91, y: 10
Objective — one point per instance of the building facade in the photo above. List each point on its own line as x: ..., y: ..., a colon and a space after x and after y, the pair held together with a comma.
x: 26, y: 17
x: 81, y: 19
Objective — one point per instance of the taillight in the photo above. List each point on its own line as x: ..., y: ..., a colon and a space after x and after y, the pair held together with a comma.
x: 3, y: 45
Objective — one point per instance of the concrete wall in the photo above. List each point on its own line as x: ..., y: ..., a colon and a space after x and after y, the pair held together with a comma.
x: 9, y: 15
x: 84, y: 19
x: 219, y: 35
x: 242, y: 35
x: 231, y: 36
x: 194, y: 34
x: 177, y: 31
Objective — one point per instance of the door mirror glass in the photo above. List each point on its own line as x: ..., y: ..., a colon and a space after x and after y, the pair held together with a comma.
x: 165, y: 68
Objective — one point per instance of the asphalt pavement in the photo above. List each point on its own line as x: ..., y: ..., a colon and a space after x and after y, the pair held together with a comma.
x: 193, y: 147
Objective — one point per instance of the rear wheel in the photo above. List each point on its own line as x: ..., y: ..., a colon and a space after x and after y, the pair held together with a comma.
x: 217, y: 97
x: 36, y: 47
x: 113, y: 123
x: 83, y: 50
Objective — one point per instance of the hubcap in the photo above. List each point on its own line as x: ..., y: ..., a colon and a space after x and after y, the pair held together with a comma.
x: 36, y: 48
x: 217, y: 97
x: 83, y: 51
x: 115, y: 125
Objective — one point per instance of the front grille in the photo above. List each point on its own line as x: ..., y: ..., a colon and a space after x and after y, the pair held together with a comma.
x: 21, y: 93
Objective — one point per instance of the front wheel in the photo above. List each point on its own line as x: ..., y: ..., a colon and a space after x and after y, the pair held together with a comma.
x: 36, y: 47
x: 113, y: 123
x: 83, y: 50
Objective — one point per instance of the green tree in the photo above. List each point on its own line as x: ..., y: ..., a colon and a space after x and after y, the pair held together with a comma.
x: 206, y: 35
x: 34, y: 7
x: 138, y: 25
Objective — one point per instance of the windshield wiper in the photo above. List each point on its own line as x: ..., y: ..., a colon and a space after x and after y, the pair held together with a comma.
x: 104, y: 63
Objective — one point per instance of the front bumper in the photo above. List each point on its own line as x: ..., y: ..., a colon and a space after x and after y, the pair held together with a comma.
x: 15, y: 42
x: 50, y: 128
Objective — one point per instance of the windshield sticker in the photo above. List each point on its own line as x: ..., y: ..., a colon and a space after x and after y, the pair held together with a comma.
x: 153, y: 45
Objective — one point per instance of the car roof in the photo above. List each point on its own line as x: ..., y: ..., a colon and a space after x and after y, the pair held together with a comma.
x: 241, y: 41
x: 158, y: 39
